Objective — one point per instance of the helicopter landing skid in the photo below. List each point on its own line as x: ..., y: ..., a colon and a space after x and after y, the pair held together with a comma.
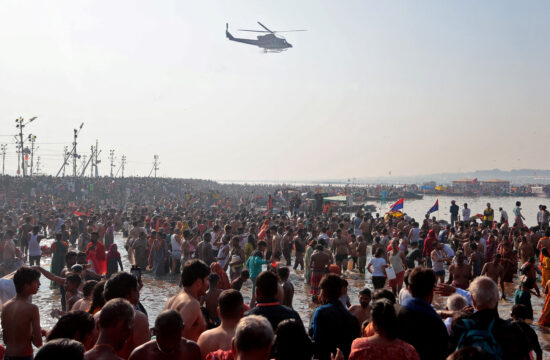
x: 273, y: 50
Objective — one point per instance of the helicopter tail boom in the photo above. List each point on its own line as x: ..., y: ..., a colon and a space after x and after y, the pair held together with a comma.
x: 244, y: 41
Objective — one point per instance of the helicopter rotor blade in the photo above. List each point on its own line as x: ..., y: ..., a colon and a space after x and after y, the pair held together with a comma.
x: 258, y: 31
x: 265, y: 27
x: 280, y: 31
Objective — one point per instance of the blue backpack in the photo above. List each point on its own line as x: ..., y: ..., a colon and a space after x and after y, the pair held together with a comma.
x: 483, y: 339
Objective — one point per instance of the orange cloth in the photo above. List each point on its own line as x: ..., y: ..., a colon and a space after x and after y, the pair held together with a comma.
x: 545, y: 316
x: 223, y: 283
x: 262, y: 233
x: 97, y: 256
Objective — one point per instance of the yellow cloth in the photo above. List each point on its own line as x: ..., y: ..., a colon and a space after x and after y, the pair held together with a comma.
x: 545, y: 317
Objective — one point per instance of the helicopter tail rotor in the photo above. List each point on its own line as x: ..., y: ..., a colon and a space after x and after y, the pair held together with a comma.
x: 227, y: 34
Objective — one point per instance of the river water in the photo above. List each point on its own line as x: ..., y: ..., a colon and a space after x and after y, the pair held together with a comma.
x: 156, y: 292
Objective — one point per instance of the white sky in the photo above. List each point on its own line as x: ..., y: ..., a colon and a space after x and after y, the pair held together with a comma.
x: 372, y: 87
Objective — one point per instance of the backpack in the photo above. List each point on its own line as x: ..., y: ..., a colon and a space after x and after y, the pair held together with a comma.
x: 480, y: 338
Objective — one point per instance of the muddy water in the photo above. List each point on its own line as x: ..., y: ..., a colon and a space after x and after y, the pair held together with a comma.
x: 156, y: 292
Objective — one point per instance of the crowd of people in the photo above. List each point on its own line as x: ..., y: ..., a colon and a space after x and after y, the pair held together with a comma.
x: 212, y: 239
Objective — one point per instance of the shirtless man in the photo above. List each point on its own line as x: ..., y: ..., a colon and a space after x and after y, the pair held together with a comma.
x: 287, y: 246
x: 115, y: 321
x: 495, y: 271
x: 300, y: 246
x: 133, y: 235
x: 72, y: 295
x: 124, y: 285
x: 526, y: 250
x: 186, y: 245
x: 362, y: 311
x: 341, y: 250
x: 235, y: 223
x: 26, y: 229
x: 352, y: 243
x: 194, y: 279
x: 70, y: 284
x: 210, y: 299
x: 20, y: 318
x: 10, y: 262
x: 169, y: 343
x: 231, y: 310
x: 377, y: 245
x: 365, y: 228
x: 288, y: 287
x: 460, y: 273
x: 84, y: 303
x: 319, y: 264
x: 361, y: 248
x: 276, y: 243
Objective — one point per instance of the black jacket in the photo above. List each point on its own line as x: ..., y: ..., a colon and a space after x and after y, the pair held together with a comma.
x: 333, y: 326
x: 425, y: 331
x: 274, y: 313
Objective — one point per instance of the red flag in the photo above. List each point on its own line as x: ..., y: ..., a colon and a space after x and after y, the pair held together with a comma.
x: 397, y: 205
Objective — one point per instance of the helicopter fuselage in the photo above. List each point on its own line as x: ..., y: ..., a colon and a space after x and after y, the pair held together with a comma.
x: 268, y: 41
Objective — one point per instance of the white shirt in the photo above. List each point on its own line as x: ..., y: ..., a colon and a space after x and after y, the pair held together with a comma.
x: 504, y: 214
x: 326, y: 238
x: 466, y: 214
x: 437, y: 264
x: 415, y: 235
x: 176, y: 246
x: 448, y: 250
x: 378, y: 266
x: 483, y: 241
x: 34, y: 246
x: 404, y: 294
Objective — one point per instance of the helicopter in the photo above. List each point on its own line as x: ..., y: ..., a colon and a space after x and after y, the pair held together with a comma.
x: 269, y: 42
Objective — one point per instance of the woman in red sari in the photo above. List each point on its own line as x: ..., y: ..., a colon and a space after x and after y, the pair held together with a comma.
x: 95, y: 254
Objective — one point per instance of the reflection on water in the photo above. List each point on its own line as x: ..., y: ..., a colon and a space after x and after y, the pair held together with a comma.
x: 156, y: 292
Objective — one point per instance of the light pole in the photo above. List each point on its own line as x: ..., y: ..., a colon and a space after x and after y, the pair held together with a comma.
x: 155, y: 165
x: 75, y: 154
x: 3, y: 157
x: 32, y: 139
x: 112, y: 158
x: 123, y: 162
x: 20, y: 125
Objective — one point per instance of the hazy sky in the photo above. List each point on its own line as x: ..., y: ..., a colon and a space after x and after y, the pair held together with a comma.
x: 410, y: 87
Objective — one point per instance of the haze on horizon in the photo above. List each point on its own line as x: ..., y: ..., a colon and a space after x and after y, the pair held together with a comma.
x: 372, y: 88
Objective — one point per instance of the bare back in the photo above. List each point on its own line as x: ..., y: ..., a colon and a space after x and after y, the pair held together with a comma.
x: 320, y: 261
x: 360, y: 313
x: 21, y: 325
x: 150, y: 351
x: 190, y: 310
x: 218, y: 338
